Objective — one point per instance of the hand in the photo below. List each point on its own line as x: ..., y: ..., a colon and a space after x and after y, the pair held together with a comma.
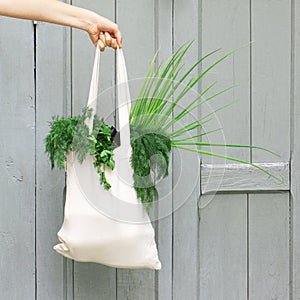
x: 105, y: 33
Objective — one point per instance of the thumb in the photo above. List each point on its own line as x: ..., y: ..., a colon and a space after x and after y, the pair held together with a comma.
x: 95, y: 38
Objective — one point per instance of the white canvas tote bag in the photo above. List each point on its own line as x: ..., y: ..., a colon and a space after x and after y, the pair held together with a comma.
x: 109, y: 227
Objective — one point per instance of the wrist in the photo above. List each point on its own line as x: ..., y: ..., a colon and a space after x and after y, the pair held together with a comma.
x: 87, y: 20
x: 83, y: 19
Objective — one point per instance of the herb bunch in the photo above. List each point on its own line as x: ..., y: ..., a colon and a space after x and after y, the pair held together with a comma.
x: 149, y: 161
x: 157, y: 110
x: 72, y: 134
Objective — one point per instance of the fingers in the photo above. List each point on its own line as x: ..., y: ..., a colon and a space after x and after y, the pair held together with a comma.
x: 118, y: 37
x: 101, y: 42
x: 94, y: 34
x: 114, y: 43
x: 106, y: 40
x: 104, y: 33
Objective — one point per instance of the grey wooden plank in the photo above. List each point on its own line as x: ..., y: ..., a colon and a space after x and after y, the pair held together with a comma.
x: 136, y: 21
x: 17, y: 160
x: 93, y: 281
x: 270, y: 127
x: 295, y: 159
x: 268, y: 220
x: 69, y: 279
x: 164, y: 39
x: 68, y: 264
x: 243, y: 178
x: 52, y: 98
x: 225, y: 24
x: 135, y: 284
x: 269, y: 246
x: 223, y: 247
x: 186, y: 174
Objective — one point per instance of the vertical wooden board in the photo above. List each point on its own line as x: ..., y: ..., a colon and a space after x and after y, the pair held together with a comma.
x: 163, y: 23
x: 185, y: 228
x: 269, y: 273
x: 271, y: 78
x: 186, y: 171
x: 269, y: 246
x: 295, y: 176
x: 52, y: 98
x: 226, y: 25
x: 17, y: 160
x: 223, y: 247
x: 136, y: 21
x: 135, y: 284
x: 93, y: 281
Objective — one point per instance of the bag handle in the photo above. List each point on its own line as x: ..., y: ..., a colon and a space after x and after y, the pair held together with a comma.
x: 92, y: 100
x: 124, y: 99
x: 123, y: 95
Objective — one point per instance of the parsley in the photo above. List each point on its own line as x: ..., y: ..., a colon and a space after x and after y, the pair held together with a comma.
x: 72, y: 134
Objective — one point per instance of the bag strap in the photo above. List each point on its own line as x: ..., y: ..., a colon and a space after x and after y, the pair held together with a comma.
x: 123, y: 95
x: 92, y: 100
x: 124, y: 99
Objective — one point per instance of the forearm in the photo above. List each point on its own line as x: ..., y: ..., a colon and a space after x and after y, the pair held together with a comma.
x: 52, y: 11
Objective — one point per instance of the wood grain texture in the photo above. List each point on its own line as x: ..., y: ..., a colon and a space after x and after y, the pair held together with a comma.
x: 223, y: 247
x: 93, y: 281
x: 186, y: 188
x: 222, y: 275
x: 269, y: 246
x: 136, y: 19
x: 269, y: 214
x: 243, y: 178
x: 17, y: 160
x: 226, y: 26
x: 52, y: 98
x: 271, y: 79
x: 295, y: 159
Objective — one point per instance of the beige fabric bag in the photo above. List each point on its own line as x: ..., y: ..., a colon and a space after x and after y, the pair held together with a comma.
x: 107, y: 227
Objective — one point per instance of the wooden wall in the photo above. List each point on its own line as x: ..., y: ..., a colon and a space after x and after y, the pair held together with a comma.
x: 242, y: 242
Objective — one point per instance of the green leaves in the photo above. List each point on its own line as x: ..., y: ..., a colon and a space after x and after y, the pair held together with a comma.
x: 81, y: 141
x: 72, y: 134
x: 156, y: 112
x: 59, y: 140
x: 102, y: 149
x: 150, y: 161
